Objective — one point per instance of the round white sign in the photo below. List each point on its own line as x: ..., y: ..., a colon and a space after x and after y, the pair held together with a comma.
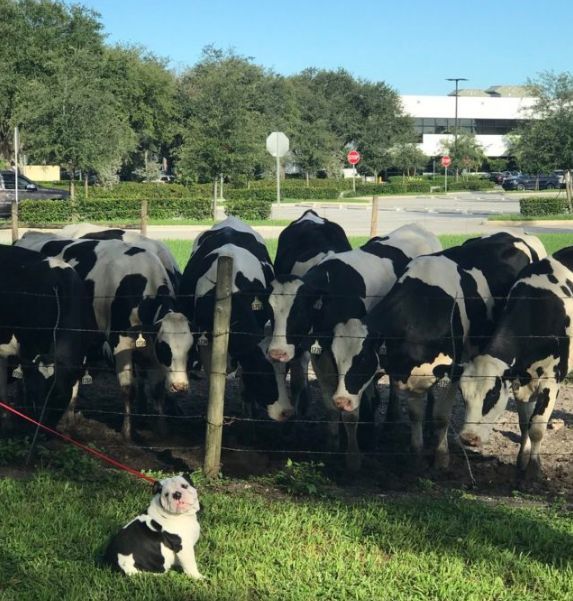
x: 277, y: 144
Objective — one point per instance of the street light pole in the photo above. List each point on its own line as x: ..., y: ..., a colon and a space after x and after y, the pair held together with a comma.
x: 457, y: 80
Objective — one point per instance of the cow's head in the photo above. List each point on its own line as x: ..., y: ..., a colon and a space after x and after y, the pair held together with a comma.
x: 293, y: 304
x: 485, y: 391
x: 264, y: 383
x: 357, y: 362
x: 172, y: 343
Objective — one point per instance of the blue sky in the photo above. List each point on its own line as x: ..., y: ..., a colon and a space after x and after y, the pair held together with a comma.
x: 412, y: 45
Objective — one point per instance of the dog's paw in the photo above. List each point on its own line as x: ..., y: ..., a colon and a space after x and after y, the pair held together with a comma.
x: 197, y: 576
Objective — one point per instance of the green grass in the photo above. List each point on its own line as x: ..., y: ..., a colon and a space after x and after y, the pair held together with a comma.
x: 553, y: 242
x: 258, y: 543
x: 519, y: 217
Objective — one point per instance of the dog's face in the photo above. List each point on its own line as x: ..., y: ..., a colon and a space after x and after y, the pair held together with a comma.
x: 177, y: 495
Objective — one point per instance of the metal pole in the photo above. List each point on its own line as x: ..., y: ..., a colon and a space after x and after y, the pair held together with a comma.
x: 354, y: 179
x: 278, y: 176
x: 218, y: 375
x: 221, y: 188
x: 14, y: 207
x: 446, y: 180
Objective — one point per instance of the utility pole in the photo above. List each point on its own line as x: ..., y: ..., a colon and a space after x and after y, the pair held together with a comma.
x: 457, y: 80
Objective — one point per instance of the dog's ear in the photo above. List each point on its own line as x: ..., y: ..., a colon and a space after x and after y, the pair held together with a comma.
x: 189, y: 479
x: 156, y: 487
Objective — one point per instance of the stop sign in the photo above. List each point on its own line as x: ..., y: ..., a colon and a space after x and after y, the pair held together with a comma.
x: 353, y: 157
x: 446, y: 161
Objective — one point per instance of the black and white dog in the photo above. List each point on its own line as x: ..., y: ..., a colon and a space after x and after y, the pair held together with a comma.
x: 163, y: 536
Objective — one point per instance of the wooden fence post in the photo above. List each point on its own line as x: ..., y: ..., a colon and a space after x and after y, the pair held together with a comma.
x: 143, y: 224
x: 14, y: 216
x: 218, y: 375
x: 374, y: 217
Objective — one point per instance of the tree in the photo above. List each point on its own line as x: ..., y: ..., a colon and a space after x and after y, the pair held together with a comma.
x: 314, y: 143
x: 223, y: 128
x: 35, y: 36
x: 71, y: 119
x: 383, y: 126
x: 408, y: 158
x: 466, y: 154
x: 146, y: 92
x: 546, y: 141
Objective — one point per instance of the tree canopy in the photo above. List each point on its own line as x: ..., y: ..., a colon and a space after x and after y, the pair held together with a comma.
x: 546, y: 142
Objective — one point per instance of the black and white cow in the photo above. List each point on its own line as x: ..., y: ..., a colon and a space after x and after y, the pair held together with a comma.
x: 440, y: 313
x: 90, y: 231
x: 134, y: 305
x: 44, y: 324
x: 301, y: 246
x: 327, y: 305
x: 252, y: 274
x: 530, y: 352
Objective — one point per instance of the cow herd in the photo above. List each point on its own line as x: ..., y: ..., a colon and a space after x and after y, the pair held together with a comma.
x: 489, y: 318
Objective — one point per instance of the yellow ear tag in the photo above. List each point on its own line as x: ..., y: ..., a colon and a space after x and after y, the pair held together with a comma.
x: 202, y: 340
x: 87, y: 379
x: 316, y: 349
x: 18, y: 373
x: 140, y: 342
x: 256, y: 305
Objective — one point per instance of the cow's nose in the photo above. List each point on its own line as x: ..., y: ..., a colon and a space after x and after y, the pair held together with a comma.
x: 179, y: 388
x: 343, y: 403
x: 177, y: 495
x: 470, y: 439
x: 286, y: 414
x: 278, y: 355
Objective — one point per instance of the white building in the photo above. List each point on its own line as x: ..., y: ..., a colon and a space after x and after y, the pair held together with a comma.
x: 489, y: 114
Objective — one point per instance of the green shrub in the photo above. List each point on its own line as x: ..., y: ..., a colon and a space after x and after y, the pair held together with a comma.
x: 338, y: 184
x: 397, y: 185
x: 40, y: 212
x: 269, y: 194
x: 538, y: 205
x: 251, y: 209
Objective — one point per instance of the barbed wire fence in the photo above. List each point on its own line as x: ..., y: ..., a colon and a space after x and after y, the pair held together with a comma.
x: 217, y: 419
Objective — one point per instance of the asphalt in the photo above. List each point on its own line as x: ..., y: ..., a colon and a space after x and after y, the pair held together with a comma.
x: 454, y: 213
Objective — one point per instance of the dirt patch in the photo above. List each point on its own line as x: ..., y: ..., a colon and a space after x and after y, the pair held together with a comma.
x: 257, y: 446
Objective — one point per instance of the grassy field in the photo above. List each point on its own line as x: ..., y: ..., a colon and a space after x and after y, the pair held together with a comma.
x: 260, y: 543
x: 182, y: 248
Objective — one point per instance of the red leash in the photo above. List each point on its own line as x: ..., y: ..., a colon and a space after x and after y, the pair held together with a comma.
x: 85, y: 448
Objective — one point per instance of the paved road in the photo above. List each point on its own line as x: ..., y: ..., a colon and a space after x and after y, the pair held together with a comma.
x: 455, y: 213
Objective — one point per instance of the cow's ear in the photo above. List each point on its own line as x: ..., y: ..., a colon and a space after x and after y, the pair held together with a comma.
x: 315, y: 284
x: 156, y: 487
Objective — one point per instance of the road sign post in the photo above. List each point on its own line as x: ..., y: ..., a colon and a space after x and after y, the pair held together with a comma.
x: 277, y: 146
x: 446, y: 162
x: 353, y: 157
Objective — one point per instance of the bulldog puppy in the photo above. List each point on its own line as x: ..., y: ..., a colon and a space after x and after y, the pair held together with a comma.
x: 162, y: 537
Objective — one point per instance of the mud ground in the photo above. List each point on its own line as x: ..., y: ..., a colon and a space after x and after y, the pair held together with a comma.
x: 257, y: 446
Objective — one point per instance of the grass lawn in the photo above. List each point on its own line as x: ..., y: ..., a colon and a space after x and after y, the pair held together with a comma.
x: 553, y: 242
x: 519, y: 217
x: 258, y: 542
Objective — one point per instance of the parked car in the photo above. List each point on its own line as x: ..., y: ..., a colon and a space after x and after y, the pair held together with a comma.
x: 27, y: 189
x: 541, y: 181
x: 496, y: 177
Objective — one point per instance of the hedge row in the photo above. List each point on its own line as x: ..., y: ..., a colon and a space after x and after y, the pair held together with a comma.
x: 287, y: 191
x: 248, y: 208
x: 60, y: 211
x: 398, y: 186
x: 538, y: 205
x: 338, y: 184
